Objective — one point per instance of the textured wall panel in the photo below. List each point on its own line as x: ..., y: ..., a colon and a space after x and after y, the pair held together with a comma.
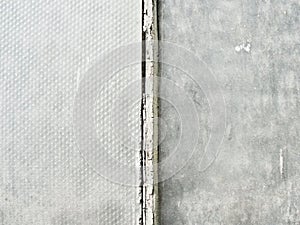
x: 47, y: 50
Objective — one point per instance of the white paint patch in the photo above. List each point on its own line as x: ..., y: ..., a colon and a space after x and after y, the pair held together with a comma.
x: 245, y: 47
x: 237, y: 48
x: 281, y: 163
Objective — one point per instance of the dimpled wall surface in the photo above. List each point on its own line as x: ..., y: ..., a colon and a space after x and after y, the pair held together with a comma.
x: 46, y: 49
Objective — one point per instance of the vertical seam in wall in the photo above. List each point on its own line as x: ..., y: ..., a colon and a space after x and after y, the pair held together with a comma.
x: 142, y: 160
x: 149, y: 151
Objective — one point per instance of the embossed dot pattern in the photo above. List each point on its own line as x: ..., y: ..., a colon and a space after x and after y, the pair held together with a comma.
x: 45, y: 49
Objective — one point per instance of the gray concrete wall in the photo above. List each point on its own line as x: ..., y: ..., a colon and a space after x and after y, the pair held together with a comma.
x: 252, y: 49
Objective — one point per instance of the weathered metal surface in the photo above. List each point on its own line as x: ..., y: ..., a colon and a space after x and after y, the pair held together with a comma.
x: 150, y: 129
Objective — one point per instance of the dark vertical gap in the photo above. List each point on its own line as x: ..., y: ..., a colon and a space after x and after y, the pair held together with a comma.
x: 157, y: 88
x: 159, y: 74
x: 142, y: 160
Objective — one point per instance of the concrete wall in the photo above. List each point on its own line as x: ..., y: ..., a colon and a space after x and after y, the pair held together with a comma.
x: 252, y: 49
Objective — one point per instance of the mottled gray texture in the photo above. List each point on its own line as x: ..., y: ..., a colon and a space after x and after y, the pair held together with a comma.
x: 253, y: 49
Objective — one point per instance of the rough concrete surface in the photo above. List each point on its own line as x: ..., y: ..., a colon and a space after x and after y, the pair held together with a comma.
x: 252, y: 47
